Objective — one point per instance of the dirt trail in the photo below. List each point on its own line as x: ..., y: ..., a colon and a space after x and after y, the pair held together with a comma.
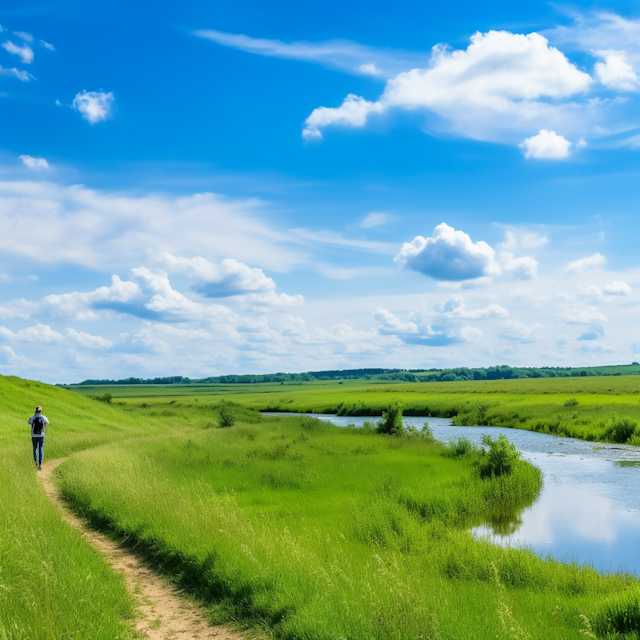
x: 163, y: 613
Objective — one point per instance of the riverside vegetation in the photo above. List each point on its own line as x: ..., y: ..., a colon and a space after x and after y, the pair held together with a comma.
x: 605, y: 409
x: 286, y: 526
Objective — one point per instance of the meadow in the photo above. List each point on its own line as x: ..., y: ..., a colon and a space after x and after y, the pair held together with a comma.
x: 588, y: 408
x: 284, y: 526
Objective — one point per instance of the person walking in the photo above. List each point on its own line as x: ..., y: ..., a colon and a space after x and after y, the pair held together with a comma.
x: 38, y: 424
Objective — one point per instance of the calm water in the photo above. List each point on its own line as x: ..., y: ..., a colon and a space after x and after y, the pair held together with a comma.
x: 589, y: 507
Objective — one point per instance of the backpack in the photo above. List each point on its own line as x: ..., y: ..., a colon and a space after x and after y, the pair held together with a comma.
x: 38, y: 425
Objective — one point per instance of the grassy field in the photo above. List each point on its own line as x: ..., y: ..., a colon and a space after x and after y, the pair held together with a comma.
x: 286, y: 526
x: 585, y: 408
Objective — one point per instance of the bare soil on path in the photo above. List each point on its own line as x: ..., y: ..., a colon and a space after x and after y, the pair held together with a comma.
x: 163, y: 614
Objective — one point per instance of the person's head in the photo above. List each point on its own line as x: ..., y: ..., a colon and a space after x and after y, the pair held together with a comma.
x: 38, y: 409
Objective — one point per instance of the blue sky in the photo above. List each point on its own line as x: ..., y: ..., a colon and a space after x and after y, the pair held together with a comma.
x: 199, y: 190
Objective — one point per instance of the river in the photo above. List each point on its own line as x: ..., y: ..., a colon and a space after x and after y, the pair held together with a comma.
x: 589, y: 507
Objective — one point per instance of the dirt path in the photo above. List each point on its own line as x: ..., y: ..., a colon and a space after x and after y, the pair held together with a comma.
x: 163, y: 613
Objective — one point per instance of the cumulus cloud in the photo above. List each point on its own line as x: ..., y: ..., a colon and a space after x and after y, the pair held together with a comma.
x: 512, y: 330
x: 547, y: 145
x: 617, y: 288
x: 449, y: 255
x: 37, y: 164
x: 390, y: 324
x: 454, y: 307
x: 47, y: 45
x: 615, y: 72
x: 87, y: 340
x: 353, y: 112
x: 501, y: 83
x: 25, y: 52
x: 594, y: 261
x: 16, y: 73
x: 523, y: 268
x: 39, y: 333
x: 94, y: 106
x: 231, y: 278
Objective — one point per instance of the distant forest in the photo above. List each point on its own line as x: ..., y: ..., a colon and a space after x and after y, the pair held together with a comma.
x: 501, y: 372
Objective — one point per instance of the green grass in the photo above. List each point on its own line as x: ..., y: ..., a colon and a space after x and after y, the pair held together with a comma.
x: 287, y: 526
x: 585, y: 408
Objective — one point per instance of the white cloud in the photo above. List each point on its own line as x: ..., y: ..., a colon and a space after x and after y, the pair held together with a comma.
x: 112, y: 231
x: 533, y: 240
x: 523, y: 268
x: 25, y: 53
x: 582, y: 314
x: 94, y: 106
x: 353, y: 112
x: 512, y: 330
x: 547, y: 145
x: 40, y: 333
x: 390, y: 324
x: 370, y: 69
x: 449, y: 255
x: 87, y: 340
x: 231, y: 278
x: 615, y: 72
x: 37, y: 164
x: 47, y: 45
x: 496, y: 88
x: 340, y: 54
x: 16, y: 73
x: 454, y: 307
x: 17, y: 309
x: 23, y: 35
x: 375, y: 219
x: 590, y: 262
x: 617, y: 288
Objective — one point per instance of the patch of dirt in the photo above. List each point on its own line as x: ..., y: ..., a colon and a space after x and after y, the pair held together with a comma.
x: 163, y: 613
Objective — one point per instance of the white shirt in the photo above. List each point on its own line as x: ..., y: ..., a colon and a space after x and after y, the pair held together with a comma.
x: 46, y: 422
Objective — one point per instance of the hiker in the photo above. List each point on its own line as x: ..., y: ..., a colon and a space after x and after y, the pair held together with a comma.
x: 38, y: 424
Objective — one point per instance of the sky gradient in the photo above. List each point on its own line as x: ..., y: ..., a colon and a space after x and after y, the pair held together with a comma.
x: 201, y: 190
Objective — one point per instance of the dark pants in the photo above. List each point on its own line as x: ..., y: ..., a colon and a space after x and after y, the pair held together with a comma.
x: 38, y: 448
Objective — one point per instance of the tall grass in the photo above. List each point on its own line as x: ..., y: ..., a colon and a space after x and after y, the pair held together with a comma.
x: 310, y: 531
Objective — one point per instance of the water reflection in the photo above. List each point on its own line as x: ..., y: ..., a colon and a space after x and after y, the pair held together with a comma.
x: 588, y: 510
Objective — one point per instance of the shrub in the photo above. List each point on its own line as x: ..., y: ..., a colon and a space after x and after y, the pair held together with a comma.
x: 571, y: 402
x: 500, y: 459
x: 227, y: 419
x: 391, y: 422
x: 620, y: 430
x: 105, y: 397
x: 461, y: 447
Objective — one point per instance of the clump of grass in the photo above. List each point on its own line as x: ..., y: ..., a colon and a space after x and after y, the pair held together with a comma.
x: 226, y: 416
x: 105, y: 397
x: 620, y: 430
x: 571, y: 402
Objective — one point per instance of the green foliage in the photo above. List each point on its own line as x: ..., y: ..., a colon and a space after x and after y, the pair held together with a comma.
x: 391, y: 423
x: 462, y: 447
x: 105, y: 397
x: 620, y: 430
x: 227, y: 417
x: 501, y: 458
x: 619, y: 614
x: 571, y: 402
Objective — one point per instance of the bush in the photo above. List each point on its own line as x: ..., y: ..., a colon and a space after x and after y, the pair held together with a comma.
x: 500, y: 459
x: 227, y: 419
x: 571, y: 402
x: 391, y: 422
x: 105, y: 397
x: 620, y: 430
x: 461, y: 447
